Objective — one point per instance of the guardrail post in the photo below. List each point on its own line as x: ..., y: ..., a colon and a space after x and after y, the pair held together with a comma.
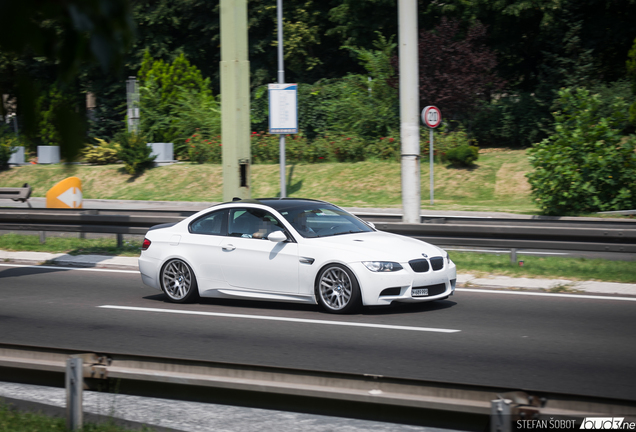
x: 120, y: 240
x: 42, y: 237
x: 74, y: 396
x: 513, y: 256
x: 500, y: 415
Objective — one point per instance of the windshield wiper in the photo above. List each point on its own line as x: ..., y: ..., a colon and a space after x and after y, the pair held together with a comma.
x: 348, y: 232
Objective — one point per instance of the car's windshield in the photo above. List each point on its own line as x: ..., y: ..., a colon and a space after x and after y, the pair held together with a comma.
x: 323, y: 221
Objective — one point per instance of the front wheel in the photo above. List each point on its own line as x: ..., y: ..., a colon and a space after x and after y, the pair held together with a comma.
x: 178, y: 282
x: 337, y: 290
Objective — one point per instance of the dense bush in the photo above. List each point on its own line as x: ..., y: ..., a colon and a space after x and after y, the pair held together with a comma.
x: 203, y: 150
x: 385, y: 148
x: 587, y: 165
x: 298, y: 149
x: 464, y: 155
x: 444, y: 140
x: 265, y: 148
x: 327, y: 147
x: 102, y: 153
x: 135, y: 152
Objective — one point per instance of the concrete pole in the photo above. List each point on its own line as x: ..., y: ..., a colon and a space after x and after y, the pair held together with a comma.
x: 409, y: 110
x: 281, y: 80
x: 235, y: 100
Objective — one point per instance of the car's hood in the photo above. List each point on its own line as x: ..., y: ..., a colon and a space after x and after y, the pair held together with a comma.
x: 377, y: 246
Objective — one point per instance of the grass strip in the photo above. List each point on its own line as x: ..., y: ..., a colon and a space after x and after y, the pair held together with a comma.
x: 69, y: 245
x: 12, y: 420
x: 550, y: 267
x: 496, y: 183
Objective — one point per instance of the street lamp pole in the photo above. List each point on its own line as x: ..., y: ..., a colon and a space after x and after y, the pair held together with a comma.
x: 409, y: 110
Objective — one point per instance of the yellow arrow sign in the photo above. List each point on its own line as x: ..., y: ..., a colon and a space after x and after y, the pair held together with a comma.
x: 65, y: 194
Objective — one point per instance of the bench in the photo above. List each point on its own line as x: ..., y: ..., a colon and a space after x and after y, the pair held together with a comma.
x: 17, y: 194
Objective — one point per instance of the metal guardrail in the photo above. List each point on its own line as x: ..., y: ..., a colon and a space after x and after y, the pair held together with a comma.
x: 373, y: 397
x: 576, y: 234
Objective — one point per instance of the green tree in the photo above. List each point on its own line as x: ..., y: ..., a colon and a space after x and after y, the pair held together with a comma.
x: 67, y: 35
x: 175, y: 100
x: 51, y: 124
x: 631, y: 73
x: 587, y: 165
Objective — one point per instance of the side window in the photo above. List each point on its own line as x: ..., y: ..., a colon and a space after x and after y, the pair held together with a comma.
x: 252, y: 223
x: 210, y: 224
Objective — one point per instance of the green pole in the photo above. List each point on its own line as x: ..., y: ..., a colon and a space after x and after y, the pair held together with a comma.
x: 235, y: 100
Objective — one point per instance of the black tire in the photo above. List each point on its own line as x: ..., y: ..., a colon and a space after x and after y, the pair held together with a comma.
x: 178, y: 282
x: 337, y: 290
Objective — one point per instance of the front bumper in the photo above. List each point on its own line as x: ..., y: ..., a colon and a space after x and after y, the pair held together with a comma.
x: 386, y: 288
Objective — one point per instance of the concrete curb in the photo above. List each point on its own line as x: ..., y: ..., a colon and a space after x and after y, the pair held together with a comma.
x: 550, y: 285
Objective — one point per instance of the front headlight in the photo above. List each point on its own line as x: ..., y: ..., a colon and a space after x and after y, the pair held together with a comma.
x: 382, y: 266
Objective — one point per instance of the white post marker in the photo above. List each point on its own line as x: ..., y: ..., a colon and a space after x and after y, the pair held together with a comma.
x: 432, y: 117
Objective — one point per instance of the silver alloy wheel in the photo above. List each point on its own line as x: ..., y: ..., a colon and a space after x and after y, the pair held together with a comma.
x: 177, y: 279
x: 335, y: 288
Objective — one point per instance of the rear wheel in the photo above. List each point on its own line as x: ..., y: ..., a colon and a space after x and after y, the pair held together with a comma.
x: 178, y: 282
x: 337, y: 290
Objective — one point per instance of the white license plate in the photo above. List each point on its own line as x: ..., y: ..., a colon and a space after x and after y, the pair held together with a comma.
x: 419, y: 292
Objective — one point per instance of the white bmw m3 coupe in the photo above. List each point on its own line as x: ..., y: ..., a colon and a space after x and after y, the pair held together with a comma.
x: 292, y: 250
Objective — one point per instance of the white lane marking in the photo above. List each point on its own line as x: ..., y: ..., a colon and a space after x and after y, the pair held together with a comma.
x: 528, y: 293
x: 70, y: 268
x: 270, y: 318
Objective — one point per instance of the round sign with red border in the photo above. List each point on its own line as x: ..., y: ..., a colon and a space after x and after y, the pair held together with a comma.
x: 431, y: 116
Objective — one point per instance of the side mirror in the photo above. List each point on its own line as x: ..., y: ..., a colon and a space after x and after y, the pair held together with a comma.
x: 371, y: 224
x: 277, y: 237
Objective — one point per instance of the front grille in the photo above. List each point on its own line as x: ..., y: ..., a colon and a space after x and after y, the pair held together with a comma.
x: 419, y: 265
x: 434, y: 290
x: 437, y: 263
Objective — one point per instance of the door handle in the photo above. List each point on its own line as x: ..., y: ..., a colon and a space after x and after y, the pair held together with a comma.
x: 229, y: 247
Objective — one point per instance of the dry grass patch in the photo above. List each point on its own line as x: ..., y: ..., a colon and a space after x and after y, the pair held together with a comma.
x: 511, y: 179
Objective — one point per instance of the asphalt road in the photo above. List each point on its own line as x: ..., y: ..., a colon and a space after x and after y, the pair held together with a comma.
x: 542, y: 343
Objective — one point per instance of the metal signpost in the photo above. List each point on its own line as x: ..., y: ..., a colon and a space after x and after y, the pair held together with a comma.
x: 432, y: 117
x: 283, y: 103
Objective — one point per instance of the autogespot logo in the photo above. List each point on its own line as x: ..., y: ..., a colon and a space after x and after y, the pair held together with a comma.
x: 607, y: 423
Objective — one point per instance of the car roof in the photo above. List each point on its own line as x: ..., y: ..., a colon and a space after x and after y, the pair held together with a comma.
x: 286, y: 203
